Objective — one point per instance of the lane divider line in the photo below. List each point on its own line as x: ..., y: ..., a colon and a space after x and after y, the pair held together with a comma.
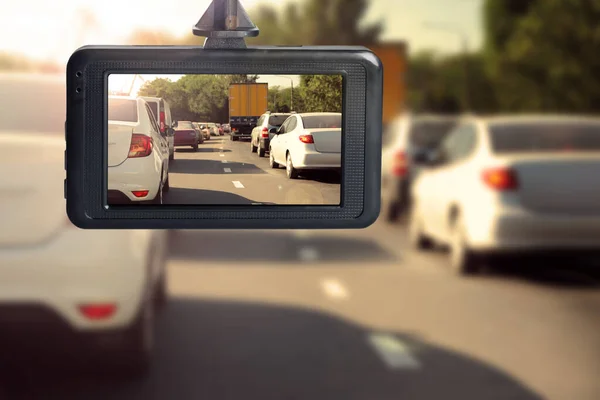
x: 238, y: 184
x: 227, y: 170
x: 393, y: 352
x: 334, y: 289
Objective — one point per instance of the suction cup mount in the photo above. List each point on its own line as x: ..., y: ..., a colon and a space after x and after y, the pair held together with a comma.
x: 225, y: 24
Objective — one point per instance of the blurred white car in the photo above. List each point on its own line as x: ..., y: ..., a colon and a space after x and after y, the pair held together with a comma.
x: 162, y: 112
x: 506, y: 184
x: 59, y: 285
x: 307, y: 142
x: 138, y: 155
x: 408, y: 137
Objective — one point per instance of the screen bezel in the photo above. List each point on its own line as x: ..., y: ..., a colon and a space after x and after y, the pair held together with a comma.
x: 208, y: 207
x: 87, y: 90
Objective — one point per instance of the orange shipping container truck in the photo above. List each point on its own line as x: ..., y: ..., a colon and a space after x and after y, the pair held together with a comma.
x: 247, y: 102
x: 393, y: 55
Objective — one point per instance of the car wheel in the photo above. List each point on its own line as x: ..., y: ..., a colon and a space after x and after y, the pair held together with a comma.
x: 417, y: 239
x: 159, y: 196
x: 134, y: 355
x: 195, y: 147
x: 463, y: 261
x: 252, y: 146
x: 161, y: 293
x: 167, y: 185
x: 393, y: 211
x: 292, y: 173
x: 272, y: 163
x: 261, y: 151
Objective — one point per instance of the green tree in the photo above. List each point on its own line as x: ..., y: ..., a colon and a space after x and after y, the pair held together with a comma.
x: 544, y: 55
x: 321, y: 93
x: 315, y: 22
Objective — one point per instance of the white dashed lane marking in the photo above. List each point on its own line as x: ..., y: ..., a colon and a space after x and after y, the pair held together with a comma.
x: 227, y: 170
x: 224, y: 161
x: 238, y: 184
x: 393, y: 352
x: 334, y: 289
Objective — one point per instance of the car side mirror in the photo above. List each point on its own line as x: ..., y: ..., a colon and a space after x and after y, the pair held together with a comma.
x: 273, y: 130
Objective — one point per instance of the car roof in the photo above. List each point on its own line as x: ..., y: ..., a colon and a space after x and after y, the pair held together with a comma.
x: 314, y: 114
x: 533, y: 118
x: 151, y: 98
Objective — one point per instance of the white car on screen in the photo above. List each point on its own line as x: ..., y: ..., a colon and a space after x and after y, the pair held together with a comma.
x: 311, y: 141
x: 63, y: 289
x: 138, y: 155
x: 510, y: 184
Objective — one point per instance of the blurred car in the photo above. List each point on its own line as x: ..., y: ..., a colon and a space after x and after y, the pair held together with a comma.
x: 198, y: 129
x: 186, y: 135
x: 212, y: 127
x: 91, y: 295
x: 510, y: 184
x: 311, y: 141
x: 138, y: 156
x: 203, y: 130
x: 264, y: 131
x: 408, y: 138
x: 162, y: 111
x: 220, y: 129
x: 226, y: 128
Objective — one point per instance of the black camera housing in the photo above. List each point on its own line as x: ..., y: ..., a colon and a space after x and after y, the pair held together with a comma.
x: 86, y: 133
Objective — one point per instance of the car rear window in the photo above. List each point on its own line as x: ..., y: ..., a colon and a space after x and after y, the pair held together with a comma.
x: 185, y: 125
x: 122, y: 110
x: 277, y: 120
x: 322, y: 121
x: 429, y: 134
x: 545, y: 137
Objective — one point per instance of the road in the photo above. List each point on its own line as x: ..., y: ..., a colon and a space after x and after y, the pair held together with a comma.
x: 226, y: 172
x: 354, y: 315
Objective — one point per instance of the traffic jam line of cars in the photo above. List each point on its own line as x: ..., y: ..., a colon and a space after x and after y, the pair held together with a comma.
x: 495, y: 186
x: 142, y: 138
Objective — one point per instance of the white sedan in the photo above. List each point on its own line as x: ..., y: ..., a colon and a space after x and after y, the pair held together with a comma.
x: 88, y: 290
x: 138, y: 155
x: 311, y: 141
x: 510, y: 184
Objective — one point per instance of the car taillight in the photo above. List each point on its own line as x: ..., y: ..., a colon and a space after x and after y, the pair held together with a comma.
x: 265, y: 132
x: 98, y: 311
x: 141, y: 146
x: 140, y: 193
x: 500, y: 178
x: 162, y: 121
x: 307, y: 139
x: 400, y: 166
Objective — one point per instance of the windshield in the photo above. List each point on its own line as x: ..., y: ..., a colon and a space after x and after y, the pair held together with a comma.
x: 32, y: 106
x: 122, y: 110
x: 545, y: 137
x: 185, y: 125
x: 322, y: 121
x: 429, y: 134
x: 278, y: 120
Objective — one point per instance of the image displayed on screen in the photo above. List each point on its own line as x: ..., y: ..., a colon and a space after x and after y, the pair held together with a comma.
x: 224, y: 139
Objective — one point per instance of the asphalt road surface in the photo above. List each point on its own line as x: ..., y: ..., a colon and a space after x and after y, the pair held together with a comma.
x: 353, y: 315
x: 226, y: 172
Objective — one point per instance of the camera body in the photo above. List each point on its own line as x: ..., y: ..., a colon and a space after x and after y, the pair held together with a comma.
x: 87, y: 123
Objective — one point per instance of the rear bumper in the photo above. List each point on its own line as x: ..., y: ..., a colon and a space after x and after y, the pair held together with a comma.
x: 191, y: 141
x: 77, y: 267
x: 264, y: 143
x: 315, y: 160
x: 519, y: 230
x: 134, y: 175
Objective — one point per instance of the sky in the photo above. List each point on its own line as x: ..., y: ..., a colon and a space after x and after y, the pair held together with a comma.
x: 52, y: 30
x: 123, y: 82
